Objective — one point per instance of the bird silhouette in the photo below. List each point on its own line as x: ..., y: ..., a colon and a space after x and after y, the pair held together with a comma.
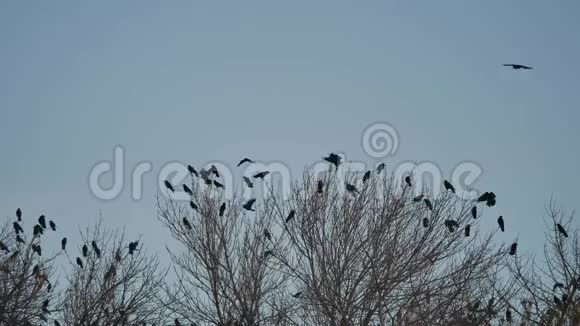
x: 516, y: 66
x: 320, y: 187
x: 268, y: 253
x: 35, y: 269
x: 96, y: 249
x: 37, y: 230
x: 488, y: 197
x: 85, y: 251
x: 118, y: 255
x: 248, y: 182
x: 187, y: 190
x: 448, y: 186
x: 14, y: 255
x: 297, y: 295
x: 63, y: 243
x: 193, y: 206
x: 177, y: 323
x: 168, y: 186
x: 418, y: 198
x: 467, y: 230
x: 192, y: 170
x: 56, y: 323
x: 451, y: 225
x: 19, y: 215
x: 291, y: 216
x: 79, y: 262
x: 333, y: 159
x: 3, y: 247
x: 186, y: 223
x: 562, y: 230
x: 133, y: 247
x: 36, y: 249
x: 513, y: 248
x: 42, y: 221
x: 267, y: 234
x: 218, y: 184
x: 474, y: 212
x: 558, y: 285
x: 501, y: 223
x: 408, y: 181
x: 425, y: 222
x: 248, y: 205
x: 366, y: 176
x: 351, y: 188
x: 557, y: 300
x: 261, y: 175
x: 19, y: 239
x: 52, y: 225
x: 428, y: 204
x: 214, y: 170
x: 222, y: 209
x: 508, y: 315
x: 245, y: 160
x: 380, y: 167
x: 17, y: 228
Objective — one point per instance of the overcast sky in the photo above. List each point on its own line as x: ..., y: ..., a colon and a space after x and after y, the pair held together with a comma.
x: 290, y: 81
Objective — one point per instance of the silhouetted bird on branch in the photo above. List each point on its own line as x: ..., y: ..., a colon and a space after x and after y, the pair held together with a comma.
x: 187, y: 190
x: 192, y: 170
x: 501, y: 223
x: 52, y: 225
x: 248, y: 205
x: 448, y: 186
x: 562, y: 230
x: 186, y: 223
x: 291, y: 216
x: 380, y: 167
x: 366, y: 176
x: 222, y: 209
x: 513, y: 248
x: 63, y: 243
x: 19, y: 215
x: 42, y: 221
x: 428, y: 204
x: 168, y: 186
x: 248, y: 182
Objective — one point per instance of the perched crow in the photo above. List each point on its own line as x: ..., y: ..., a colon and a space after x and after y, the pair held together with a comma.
x: 261, y: 175
x: 218, y: 185
x: 19, y: 215
x: 351, y: 188
x: 118, y: 255
x: 42, y: 221
x: 557, y: 300
x: 133, y: 247
x: 17, y: 228
x: 291, y: 215
x: 320, y: 187
x: 428, y: 204
x: 56, y: 323
x: 562, y: 230
x: 222, y: 209
x: 267, y: 234
x: 37, y: 230
x: 516, y: 66
x: 467, y: 230
x: 451, y: 225
x: 14, y: 255
x: 52, y: 225
x: 193, y: 205
x: 500, y: 223
x: 474, y: 212
x: 558, y: 285
x: 248, y: 205
x: 488, y: 197
x: 187, y: 190
x: 366, y: 177
x: 333, y: 159
x: 508, y: 315
x: 214, y: 170
x: 177, y: 323
x: 63, y: 244
x: 380, y: 167
x: 408, y: 180
x: 418, y: 198
x: 79, y: 262
x: 448, y: 186
x: 85, y: 251
x: 245, y: 160
x: 96, y: 249
x: 36, y: 249
x: 3, y: 247
x: 186, y: 223
x: 35, y: 269
x: 19, y: 239
x: 192, y: 170
x: 207, y: 181
x: 268, y: 253
x: 425, y: 222
x: 168, y: 186
x: 248, y: 182
x: 513, y: 248
x: 297, y: 295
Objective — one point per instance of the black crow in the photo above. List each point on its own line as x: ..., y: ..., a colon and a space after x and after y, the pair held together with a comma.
x: 96, y: 249
x: 192, y: 170
x: 562, y: 230
x: 85, y: 251
x: 351, y: 188
x: 248, y: 205
x: 408, y: 180
x: 187, y: 190
x: 248, y: 182
x: 380, y: 167
x: 474, y: 212
x: 193, y: 205
x: 133, y: 247
x: 267, y: 234
x: 290, y: 216
x: 186, y: 223
x: 168, y: 186
x: 218, y: 185
x: 17, y: 228
x: 425, y: 222
x: 516, y: 66
x: 36, y: 249
x: 418, y: 198
x: 63, y: 244
x: 222, y: 209
x: 467, y: 230
x: 297, y: 295
x: 508, y: 315
x: 245, y: 160
x: 79, y: 262
x: 557, y: 300
x: 19, y: 215
x: 214, y: 170
x: 428, y: 204
x: 320, y: 187
x: 513, y: 248
x: 3, y: 247
x: 268, y: 253
x: 558, y: 285
x: 19, y: 239
x: 366, y: 177
x: 42, y: 221
x: 37, y: 230
x: 333, y: 159
x: 448, y: 186
x: 261, y: 175
x: 500, y: 223
x: 52, y: 225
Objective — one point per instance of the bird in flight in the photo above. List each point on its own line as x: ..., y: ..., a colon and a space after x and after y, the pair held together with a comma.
x: 516, y: 66
x: 261, y: 175
x: 245, y: 160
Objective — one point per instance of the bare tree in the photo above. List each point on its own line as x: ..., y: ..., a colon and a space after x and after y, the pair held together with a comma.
x: 26, y: 294
x: 112, y: 281
x: 549, y: 287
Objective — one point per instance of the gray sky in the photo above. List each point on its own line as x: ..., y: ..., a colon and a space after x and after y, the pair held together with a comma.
x: 288, y: 81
